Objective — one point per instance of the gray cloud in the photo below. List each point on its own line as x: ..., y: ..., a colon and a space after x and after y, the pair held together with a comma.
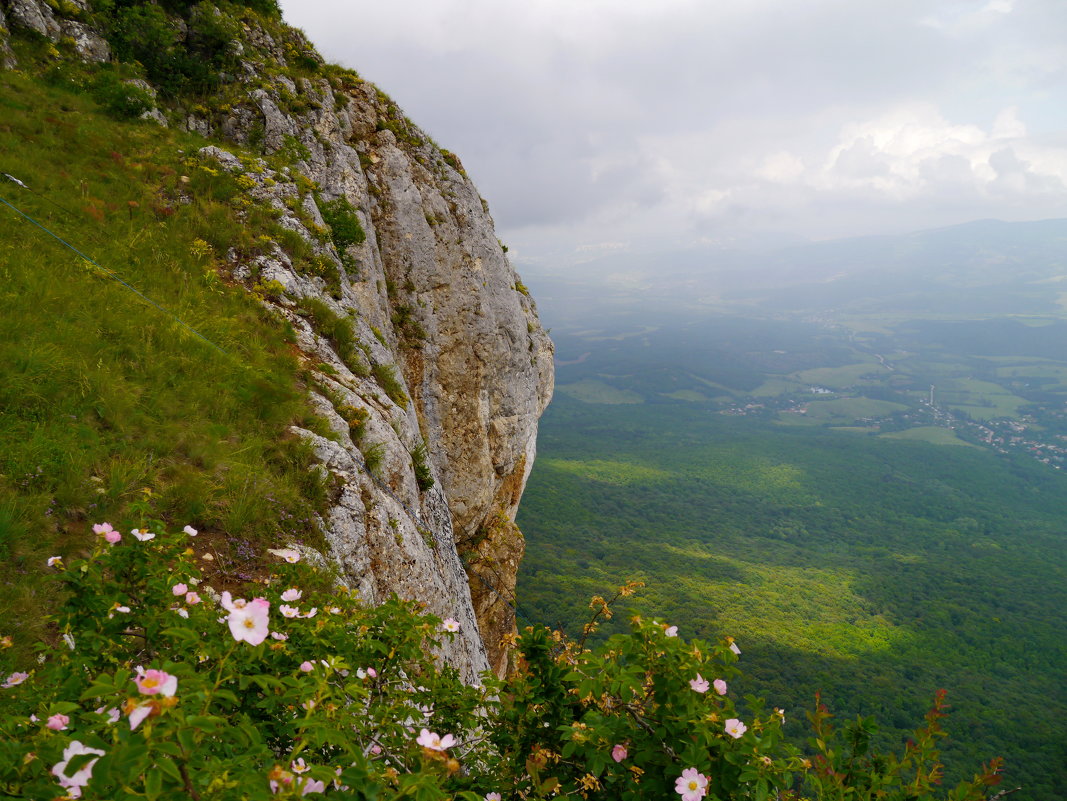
x: 625, y: 122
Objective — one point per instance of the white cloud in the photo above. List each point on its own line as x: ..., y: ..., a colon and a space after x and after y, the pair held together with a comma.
x: 961, y: 19
x: 630, y: 120
x: 781, y: 167
x: 915, y: 152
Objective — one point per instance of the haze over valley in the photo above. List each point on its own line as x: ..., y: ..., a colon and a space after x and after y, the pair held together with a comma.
x: 850, y: 455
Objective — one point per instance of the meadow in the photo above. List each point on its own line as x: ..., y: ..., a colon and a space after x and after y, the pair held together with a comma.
x: 144, y: 377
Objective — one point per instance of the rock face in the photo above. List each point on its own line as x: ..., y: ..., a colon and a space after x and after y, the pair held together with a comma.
x: 434, y: 400
x: 38, y: 16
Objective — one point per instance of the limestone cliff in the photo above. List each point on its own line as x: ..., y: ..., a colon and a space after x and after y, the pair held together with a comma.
x: 435, y: 399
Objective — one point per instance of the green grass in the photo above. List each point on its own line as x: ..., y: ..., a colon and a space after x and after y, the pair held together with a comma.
x: 841, y: 377
x: 931, y: 434
x: 982, y: 400
x: 388, y: 379
x: 690, y: 395
x: 107, y: 400
x: 850, y: 409
x: 589, y: 390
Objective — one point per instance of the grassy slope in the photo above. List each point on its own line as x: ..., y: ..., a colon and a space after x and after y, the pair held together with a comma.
x: 875, y: 570
x: 106, y: 400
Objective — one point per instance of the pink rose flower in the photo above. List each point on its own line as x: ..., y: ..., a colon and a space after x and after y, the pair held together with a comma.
x: 691, y: 785
x: 618, y: 753
x: 720, y: 686
x: 427, y: 739
x: 57, y: 722
x: 15, y: 678
x: 180, y: 589
x: 699, y: 684
x: 248, y: 620
x: 80, y: 777
x: 307, y: 667
x: 155, y: 682
x: 735, y: 728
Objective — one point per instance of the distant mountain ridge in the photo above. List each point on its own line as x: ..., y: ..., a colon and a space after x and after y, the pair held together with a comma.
x: 996, y: 266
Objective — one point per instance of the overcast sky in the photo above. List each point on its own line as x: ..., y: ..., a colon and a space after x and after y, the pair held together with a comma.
x: 599, y: 125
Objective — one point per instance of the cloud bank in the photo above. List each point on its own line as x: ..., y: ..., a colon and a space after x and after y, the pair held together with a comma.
x: 644, y: 124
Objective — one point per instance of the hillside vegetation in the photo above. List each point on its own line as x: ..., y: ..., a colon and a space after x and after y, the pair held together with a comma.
x: 845, y: 560
x: 108, y: 399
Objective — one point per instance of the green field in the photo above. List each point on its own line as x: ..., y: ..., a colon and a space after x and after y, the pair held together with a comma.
x: 931, y: 434
x: 593, y: 391
x: 849, y: 409
x: 773, y: 387
x: 982, y: 400
x: 842, y: 377
x: 690, y: 395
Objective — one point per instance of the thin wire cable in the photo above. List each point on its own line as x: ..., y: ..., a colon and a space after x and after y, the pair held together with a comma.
x: 43, y: 197
x: 115, y: 277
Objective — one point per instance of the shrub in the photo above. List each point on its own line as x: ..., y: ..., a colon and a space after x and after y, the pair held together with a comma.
x: 356, y: 417
x: 423, y: 475
x: 386, y: 376
x: 345, y: 229
x: 337, y: 330
x: 412, y: 332
x: 159, y: 688
x: 373, y: 456
x: 177, y: 62
x: 149, y: 695
x: 120, y: 99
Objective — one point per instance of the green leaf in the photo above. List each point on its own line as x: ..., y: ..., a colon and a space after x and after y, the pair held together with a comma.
x: 153, y: 784
x: 166, y: 747
x: 268, y: 682
x: 167, y: 766
x: 187, y: 740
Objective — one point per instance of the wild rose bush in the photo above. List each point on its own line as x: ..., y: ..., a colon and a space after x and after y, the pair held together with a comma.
x: 161, y: 688
x: 166, y: 693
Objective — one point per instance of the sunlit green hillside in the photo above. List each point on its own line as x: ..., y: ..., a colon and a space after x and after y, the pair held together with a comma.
x: 108, y: 401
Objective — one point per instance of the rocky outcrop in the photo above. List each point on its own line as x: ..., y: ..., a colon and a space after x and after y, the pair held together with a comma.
x: 39, y: 17
x: 7, y: 55
x: 432, y: 397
